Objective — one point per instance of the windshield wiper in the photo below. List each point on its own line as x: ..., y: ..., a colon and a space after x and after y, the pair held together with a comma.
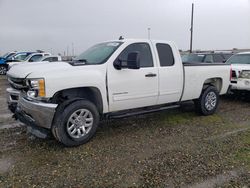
x: 81, y: 60
x: 76, y: 62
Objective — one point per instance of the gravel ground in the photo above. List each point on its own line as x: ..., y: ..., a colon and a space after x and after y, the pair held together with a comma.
x: 175, y: 148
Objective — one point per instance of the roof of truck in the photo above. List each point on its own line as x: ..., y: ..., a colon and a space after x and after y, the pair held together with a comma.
x: 139, y: 40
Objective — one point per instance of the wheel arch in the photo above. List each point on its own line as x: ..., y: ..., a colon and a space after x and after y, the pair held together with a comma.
x: 70, y: 95
x: 216, y: 82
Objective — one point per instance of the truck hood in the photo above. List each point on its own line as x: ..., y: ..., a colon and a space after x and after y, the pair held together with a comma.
x: 24, y: 69
x: 240, y: 67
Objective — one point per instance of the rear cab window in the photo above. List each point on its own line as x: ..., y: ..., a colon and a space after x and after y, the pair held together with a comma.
x: 165, y: 54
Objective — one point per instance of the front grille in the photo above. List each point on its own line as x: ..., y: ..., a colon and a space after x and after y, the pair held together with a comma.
x: 17, y: 83
x: 234, y: 74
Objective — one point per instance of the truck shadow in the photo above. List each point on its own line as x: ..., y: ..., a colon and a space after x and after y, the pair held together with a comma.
x: 109, y: 129
x: 116, y: 127
x: 239, y: 97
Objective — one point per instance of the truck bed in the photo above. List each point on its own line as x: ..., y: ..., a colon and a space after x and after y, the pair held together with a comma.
x: 196, y: 74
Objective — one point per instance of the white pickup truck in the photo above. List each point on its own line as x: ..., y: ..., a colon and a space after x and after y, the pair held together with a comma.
x: 113, y: 79
x: 240, y: 64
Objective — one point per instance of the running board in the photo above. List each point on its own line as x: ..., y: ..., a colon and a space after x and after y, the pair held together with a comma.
x: 140, y: 112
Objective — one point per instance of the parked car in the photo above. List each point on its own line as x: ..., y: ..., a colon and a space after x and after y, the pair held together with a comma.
x: 7, y: 55
x: 19, y: 56
x: 3, y: 59
x: 33, y: 57
x: 240, y: 64
x: 205, y: 57
x: 46, y: 58
x: 113, y: 79
x: 51, y: 58
x: 16, y: 57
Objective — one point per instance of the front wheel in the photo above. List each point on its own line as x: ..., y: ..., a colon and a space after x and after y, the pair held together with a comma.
x: 208, y: 102
x: 77, y: 123
x: 3, y: 69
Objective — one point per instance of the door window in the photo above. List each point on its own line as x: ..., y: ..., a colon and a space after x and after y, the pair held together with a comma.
x: 51, y: 59
x: 144, y: 50
x: 54, y: 59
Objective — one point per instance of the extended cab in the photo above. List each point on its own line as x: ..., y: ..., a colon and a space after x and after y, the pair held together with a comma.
x: 112, y: 80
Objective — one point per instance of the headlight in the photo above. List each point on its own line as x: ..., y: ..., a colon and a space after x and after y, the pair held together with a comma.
x: 36, y: 88
x: 245, y: 74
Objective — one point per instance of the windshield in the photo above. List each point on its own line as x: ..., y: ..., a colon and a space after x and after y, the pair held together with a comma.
x: 8, y: 55
x: 28, y: 57
x: 20, y: 57
x: 5, y: 55
x: 192, y: 58
x: 99, y: 53
x: 239, y: 59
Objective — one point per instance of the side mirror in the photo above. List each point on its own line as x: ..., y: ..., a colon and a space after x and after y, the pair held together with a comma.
x: 133, y: 60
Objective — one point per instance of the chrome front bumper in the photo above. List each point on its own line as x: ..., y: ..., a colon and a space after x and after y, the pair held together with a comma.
x: 35, y: 113
x: 12, y: 98
x: 13, y: 95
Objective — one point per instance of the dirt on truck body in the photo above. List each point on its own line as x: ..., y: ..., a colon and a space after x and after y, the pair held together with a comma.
x: 175, y: 148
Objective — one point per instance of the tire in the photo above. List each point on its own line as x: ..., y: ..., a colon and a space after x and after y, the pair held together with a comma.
x: 76, y: 124
x: 208, y: 102
x: 3, y: 69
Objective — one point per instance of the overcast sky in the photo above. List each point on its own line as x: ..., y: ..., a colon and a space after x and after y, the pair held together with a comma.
x: 52, y: 25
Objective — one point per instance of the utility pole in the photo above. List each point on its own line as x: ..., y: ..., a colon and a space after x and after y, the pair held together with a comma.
x: 191, y: 29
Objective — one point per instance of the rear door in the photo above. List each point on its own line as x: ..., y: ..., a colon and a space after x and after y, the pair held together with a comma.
x: 129, y: 88
x: 170, y: 73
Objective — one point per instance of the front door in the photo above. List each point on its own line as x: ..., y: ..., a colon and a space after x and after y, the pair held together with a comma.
x: 130, y: 88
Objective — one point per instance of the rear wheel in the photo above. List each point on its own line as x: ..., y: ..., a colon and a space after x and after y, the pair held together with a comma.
x: 77, y: 123
x: 208, y: 102
x: 3, y: 69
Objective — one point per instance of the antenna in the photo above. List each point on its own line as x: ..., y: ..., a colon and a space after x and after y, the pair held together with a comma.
x: 149, y: 29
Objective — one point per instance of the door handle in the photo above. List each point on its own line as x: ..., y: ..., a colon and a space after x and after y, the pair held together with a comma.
x: 150, y: 75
